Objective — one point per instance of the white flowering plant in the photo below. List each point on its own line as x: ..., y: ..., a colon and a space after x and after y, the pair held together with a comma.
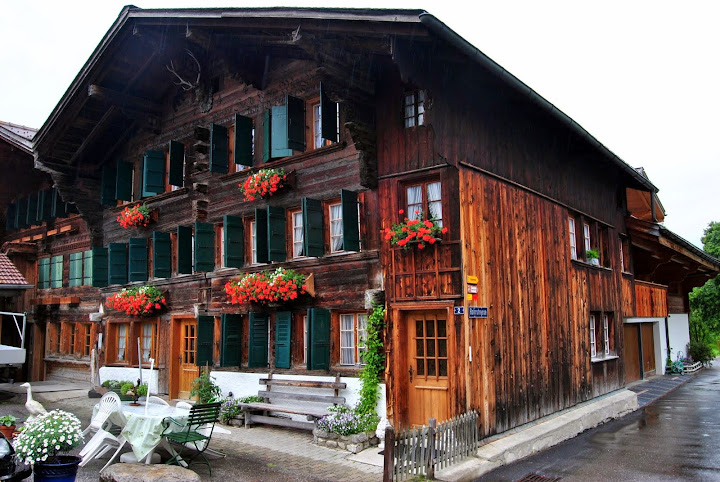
x: 47, y: 435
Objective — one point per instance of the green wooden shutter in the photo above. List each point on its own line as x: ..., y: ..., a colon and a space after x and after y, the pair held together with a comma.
x: 218, y: 149
x: 351, y: 228
x: 204, y: 247
x: 59, y: 208
x: 123, y: 181
x: 296, y: 123
x: 267, y: 120
x: 261, y: 235
x: 258, y: 341
x: 117, y: 263
x: 161, y: 255
x: 10, y: 217
x: 31, y: 214
x: 230, y: 355
x: 204, y: 343
x: 276, y: 233
x: 243, y: 140
x: 176, y: 173
x: 76, y: 269
x: 328, y: 117
x: 22, y: 213
x: 137, y: 259
x: 318, y: 357
x: 100, y: 265
x: 312, y: 213
x: 233, y: 242
x: 153, y: 180
x: 87, y: 267
x: 56, y: 272
x: 40, y: 211
x: 43, y: 273
x: 279, y: 134
x: 48, y: 196
x: 184, y: 250
x: 283, y: 324
x: 107, y: 185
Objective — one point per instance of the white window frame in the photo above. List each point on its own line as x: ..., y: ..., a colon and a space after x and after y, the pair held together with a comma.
x: 253, y: 243
x: 573, y: 239
x: 335, y: 220
x: 221, y: 245
x: 358, y: 323
x: 414, y: 108
x: 593, y: 348
x: 606, y: 336
x: 297, y: 234
x: 586, y: 236
x: 124, y: 327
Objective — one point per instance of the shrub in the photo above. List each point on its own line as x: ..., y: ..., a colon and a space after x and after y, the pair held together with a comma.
x: 700, y: 351
x: 229, y: 409
x: 204, y: 388
x: 343, y: 420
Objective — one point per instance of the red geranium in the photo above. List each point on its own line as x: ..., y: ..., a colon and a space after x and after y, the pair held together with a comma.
x: 419, y: 231
x: 135, y: 216
x: 143, y: 300
x: 263, y: 183
x: 267, y: 287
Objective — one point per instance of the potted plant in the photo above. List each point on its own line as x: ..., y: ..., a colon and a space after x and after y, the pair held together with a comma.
x: 267, y: 287
x: 134, y: 217
x: 263, y: 183
x: 138, y: 301
x: 418, y: 231
x: 7, y: 425
x: 43, y: 439
x: 204, y: 388
x: 593, y: 257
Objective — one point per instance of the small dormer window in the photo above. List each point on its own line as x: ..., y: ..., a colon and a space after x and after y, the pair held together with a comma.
x: 414, y: 108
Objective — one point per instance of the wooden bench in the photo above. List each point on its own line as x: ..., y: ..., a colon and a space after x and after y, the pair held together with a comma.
x: 276, y: 400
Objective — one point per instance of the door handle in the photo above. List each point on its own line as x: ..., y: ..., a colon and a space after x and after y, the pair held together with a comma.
x: 411, y: 372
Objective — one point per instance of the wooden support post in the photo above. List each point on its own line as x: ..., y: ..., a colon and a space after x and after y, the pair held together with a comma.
x: 389, y: 454
x: 430, y: 470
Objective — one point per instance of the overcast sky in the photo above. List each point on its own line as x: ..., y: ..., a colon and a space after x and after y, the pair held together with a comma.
x: 643, y: 77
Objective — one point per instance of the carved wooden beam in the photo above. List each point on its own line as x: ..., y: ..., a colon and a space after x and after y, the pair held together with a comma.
x: 94, y: 133
x: 124, y: 100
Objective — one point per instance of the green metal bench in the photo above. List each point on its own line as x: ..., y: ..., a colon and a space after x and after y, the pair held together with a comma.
x: 195, y: 434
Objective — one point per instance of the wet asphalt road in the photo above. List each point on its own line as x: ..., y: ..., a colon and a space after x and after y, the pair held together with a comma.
x: 675, y: 438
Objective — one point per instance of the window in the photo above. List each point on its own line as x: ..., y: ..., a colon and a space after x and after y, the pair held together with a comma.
x: 625, y: 255
x: 297, y: 234
x: 305, y: 338
x: 353, y: 334
x: 336, y: 228
x: 593, y: 236
x: 122, y: 354
x: 425, y: 200
x: 241, y: 137
x: 87, y: 339
x: 253, y: 243
x: 148, y: 341
x: 573, y: 239
x: 56, y: 272
x: 602, y: 334
x: 43, y: 273
x: 317, y: 122
x: 586, y: 236
x: 415, y: 108
x: 73, y: 332
x: 52, y: 346
x: 593, y: 346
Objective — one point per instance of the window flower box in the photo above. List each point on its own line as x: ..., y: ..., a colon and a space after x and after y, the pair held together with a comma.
x: 268, y: 287
x: 138, y: 216
x: 139, y: 301
x: 263, y: 183
x: 417, y: 232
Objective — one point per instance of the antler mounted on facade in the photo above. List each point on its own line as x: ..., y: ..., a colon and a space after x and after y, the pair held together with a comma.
x: 186, y: 85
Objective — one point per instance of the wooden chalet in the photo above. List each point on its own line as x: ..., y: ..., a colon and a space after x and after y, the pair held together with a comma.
x: 369, y: 112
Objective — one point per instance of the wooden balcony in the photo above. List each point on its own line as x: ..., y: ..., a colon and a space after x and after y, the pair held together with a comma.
x: 650, y: 300
x: 432, y: 273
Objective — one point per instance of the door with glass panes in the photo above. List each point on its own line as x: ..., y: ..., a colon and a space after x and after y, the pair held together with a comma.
x: 427, y: 373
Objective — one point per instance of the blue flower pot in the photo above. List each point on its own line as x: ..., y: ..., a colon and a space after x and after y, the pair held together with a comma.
x: 63, y: 471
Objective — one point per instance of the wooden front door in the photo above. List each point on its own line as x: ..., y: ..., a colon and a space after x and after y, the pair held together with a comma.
x: 648, y: 349
x: 427, y: 342
x: 185, y: 345
x: 632, y: 352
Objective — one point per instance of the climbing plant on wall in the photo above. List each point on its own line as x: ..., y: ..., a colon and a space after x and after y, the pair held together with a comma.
x: 374, y: 359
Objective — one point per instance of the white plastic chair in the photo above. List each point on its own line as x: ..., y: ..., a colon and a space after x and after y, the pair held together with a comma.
x: 109, y: 403
x: 153, y: 400
x: 101, y: 443
x: 183, y: 405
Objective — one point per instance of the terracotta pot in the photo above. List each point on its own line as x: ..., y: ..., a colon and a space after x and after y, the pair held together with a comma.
x: 7, y: 431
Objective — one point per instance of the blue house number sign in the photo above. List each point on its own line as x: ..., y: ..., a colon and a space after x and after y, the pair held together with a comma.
x: 478, y: 312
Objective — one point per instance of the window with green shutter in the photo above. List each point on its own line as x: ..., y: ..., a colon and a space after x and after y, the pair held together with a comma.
x: 153, y: 175
x: 233, y: 242
x: 56, y: 272
x: 100, y: 267
x: 205, y: 334
x: 275, y: 234
x: 350, y: 223
x: 22, y: 213
x: 107, y: 185
x: 312, y: 212
x: 48, y: 197
x: 258, y: 340
x: 137, y: 259
x: 87, y: 267
x: 204, y: 247
x: 287, y: 127
x: 40, y: 211
x: 76, y: 269
x: 124, y: 181
x: 10, y: 217
x: 184, y: 250
x: 230, y: 355
x: 161, y: 255
x: 176, y: 173
x: 243, y: 154
x: 328, y: 117
x: 219, y: 154
x: 283, y: 331
x: 31, y: 213
x: 318, y: 347
x: 117, y: 263
x: 59, y: 208
x: 43, y: 273
x: 261, y: 235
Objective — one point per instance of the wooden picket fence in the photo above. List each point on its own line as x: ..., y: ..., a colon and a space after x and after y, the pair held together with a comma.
x: 420, y: 451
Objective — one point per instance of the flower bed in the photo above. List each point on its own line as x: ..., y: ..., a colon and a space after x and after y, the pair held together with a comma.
x: 416, y: 231
x: 263, y: 183
x: 139, y: 301
x: 346, y: 429
x: 267, y: 287
x: 134, y: 217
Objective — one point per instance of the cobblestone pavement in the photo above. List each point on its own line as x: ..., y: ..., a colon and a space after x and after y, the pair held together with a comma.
x: 255, y: 454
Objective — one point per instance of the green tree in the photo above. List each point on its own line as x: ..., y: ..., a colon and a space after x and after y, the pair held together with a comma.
x: 705, y: 300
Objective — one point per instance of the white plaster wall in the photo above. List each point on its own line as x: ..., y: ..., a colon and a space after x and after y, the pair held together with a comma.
x: 131, y: 374
x: 679, y: 330
x: 245, y: 384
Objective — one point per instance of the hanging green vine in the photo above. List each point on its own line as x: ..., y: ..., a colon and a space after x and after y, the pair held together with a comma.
x: 374, y: 359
